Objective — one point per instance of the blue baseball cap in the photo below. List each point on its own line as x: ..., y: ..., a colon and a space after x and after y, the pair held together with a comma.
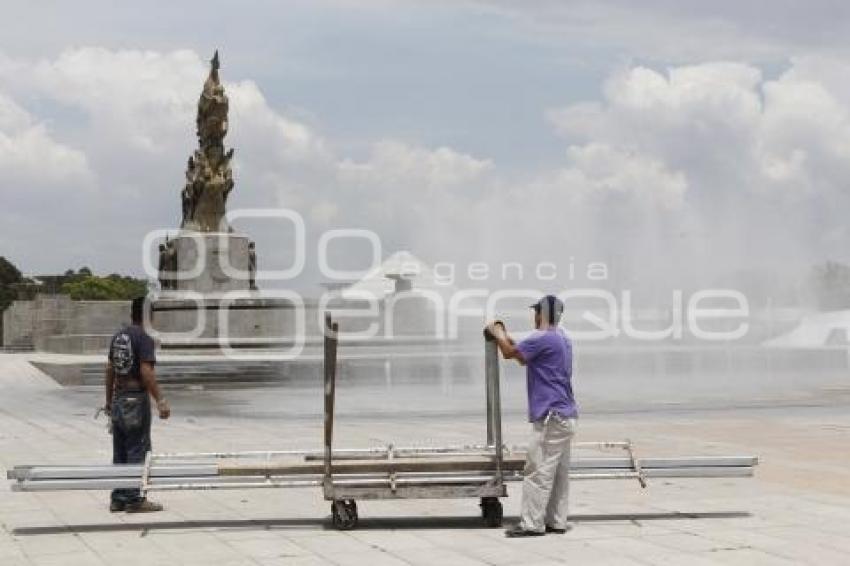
x: 551, y: 305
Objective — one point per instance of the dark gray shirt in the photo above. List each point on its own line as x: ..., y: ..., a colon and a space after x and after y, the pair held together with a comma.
x: 128, y: 348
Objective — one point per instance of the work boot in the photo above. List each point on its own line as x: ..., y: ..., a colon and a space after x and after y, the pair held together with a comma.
x: 143, y: 506
x: 518, y: 531
x: 117, y: 506
x: 556, y: 530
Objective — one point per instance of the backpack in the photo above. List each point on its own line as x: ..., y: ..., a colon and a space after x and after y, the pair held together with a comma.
x: 121, y: 354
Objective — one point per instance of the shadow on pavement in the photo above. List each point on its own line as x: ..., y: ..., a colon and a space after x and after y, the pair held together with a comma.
x: 376, y: 523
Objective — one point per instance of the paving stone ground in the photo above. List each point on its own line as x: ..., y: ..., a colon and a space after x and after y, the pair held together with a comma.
x: 795, y: 511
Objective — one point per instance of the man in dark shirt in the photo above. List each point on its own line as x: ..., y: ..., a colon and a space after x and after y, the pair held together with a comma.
x: 130, y: 382
x: 547, y: 354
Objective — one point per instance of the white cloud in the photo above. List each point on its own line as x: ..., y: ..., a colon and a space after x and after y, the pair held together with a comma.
x: 697, y: 168
x: 31, y: 158
x: 673, y: 114
x: 683, y: 31
x: 410, y: 195
x: 758, y: 166
x: 142, y: 99
x: 396, y: 169
x: 285, y: 139
x: 804, y: 133
x: 600, y: 168
x: 131, y: 116
x: 132, y: 113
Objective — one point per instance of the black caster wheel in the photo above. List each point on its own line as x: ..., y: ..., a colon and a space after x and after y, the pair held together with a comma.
x: 491, y: 512
x: 344, y: 514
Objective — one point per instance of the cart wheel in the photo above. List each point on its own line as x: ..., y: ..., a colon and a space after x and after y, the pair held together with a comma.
x: 491, y: 512
x: 344, y: 514
x: 351, y: 506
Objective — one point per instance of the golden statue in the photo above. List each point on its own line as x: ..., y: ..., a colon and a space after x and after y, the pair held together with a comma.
x: 209, y: 178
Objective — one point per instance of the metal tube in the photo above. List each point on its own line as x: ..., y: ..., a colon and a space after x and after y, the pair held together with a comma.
x: 602, y: 444
x: 493, y: 376
x: 440, y: 449
x: 114, y: 470
x: 330, y: 393
x: 491, y: 365
x: 106, y: 471
x: 237, y: 485
x: 311, y: 453
x: 224, y: 482
x: 246, y: 454
x: 158, y: 472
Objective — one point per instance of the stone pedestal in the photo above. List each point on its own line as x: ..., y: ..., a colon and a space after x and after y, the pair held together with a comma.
x: 197, y: 306
x: 211, y: 262
x: 216, y: 321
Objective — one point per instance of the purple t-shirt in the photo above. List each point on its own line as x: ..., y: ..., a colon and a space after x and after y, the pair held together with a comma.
x: 548, y: 357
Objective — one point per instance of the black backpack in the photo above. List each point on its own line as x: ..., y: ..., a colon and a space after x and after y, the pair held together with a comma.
x: 121, y: 354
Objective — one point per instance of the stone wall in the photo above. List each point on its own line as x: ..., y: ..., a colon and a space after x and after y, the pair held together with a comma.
x: 55, y: 323
x: 18, y: 324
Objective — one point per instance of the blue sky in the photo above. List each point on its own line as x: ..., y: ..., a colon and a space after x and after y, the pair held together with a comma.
x: 681, y: 131
x: 433, y: 73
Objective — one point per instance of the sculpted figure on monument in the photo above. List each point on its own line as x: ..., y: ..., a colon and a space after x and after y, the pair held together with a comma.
x: 163, y: 282
x: 209, y: 178
x: 252, y: 267
x: 167, y: 265
x: 212, y: 108
x: 171, y: 264
x: 187, y: 196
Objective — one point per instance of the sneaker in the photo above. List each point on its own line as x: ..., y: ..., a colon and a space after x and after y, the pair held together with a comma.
x: 557, y: 531
x: 117, y: 506
x: 144, y: 506
x: 519, y: 532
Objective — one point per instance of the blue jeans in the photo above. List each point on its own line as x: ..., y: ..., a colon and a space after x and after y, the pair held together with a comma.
x: 131, y: 439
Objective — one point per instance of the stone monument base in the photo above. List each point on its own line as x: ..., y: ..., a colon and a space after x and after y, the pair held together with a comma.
x: 209, y: 262
x: 219, y: 321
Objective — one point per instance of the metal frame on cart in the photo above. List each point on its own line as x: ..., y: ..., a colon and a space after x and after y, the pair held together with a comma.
x: 344, y: 492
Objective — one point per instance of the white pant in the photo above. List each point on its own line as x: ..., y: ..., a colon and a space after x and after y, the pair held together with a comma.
x: 546, y: 482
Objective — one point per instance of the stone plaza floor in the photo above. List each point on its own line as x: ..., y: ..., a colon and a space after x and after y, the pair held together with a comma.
x: 795, y: 511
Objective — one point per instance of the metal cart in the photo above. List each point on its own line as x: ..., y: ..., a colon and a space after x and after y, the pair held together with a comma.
x: 347, y: 475
x: 415, y: 473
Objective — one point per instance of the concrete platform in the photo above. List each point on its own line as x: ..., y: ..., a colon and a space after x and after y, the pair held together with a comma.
x: 796, y: 510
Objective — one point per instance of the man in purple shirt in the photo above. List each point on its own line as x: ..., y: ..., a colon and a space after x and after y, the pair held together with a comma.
x: 548, y: 356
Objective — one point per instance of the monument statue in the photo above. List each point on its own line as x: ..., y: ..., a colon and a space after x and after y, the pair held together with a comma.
x: 207, y: 256
x: 208, y: 269
x: 209, y: 178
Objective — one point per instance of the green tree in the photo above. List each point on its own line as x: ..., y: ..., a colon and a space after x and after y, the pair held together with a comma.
x: 110, y: 288
x: 9, y: 276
